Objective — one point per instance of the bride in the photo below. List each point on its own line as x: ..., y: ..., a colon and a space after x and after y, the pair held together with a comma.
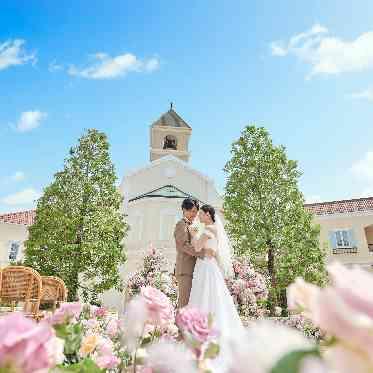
x: 209, y: 292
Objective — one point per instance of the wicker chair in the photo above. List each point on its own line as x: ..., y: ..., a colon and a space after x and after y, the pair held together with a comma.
x: 54, y: 291
x: 21, y: 284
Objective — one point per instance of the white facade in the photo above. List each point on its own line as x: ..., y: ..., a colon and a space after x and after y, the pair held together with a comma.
x: 152, y: 203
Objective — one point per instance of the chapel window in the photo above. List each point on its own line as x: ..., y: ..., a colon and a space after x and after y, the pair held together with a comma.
x: 170, y: 142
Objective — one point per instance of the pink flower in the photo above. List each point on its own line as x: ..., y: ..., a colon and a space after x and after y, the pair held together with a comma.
x: 134, y: 322
x: 105, y: 346
x: 100, y: 312
x: 302, y: 296
x: 66, y: 312
x: 92, y: 323
x: 23, y: 343
x: 353, y: 286
x: 343, y: 310
x: 112, y: 327
x: 107, y: 361
x: 160, y: 310
x: 145, y: 370
x: 195, y: 323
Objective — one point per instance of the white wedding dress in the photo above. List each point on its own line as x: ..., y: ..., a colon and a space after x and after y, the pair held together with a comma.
x: 210, y: 294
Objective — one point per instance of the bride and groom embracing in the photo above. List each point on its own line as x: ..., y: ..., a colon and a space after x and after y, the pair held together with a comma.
x: 203, y: 261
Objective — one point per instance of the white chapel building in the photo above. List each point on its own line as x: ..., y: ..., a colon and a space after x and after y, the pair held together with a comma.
x: 153, y: 194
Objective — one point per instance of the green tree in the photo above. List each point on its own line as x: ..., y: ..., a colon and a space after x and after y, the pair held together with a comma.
x: 78, y: 231
x: 265, y: 214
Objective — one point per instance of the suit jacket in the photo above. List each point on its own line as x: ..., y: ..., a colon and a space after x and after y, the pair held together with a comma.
x: 186, y: 255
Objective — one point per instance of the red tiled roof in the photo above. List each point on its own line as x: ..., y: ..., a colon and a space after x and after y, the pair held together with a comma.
x: 319, y: 208
x: 341, y: 207
x: 22, y: 217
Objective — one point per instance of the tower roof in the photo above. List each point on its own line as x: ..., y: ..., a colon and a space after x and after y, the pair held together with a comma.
x: 171, y: 119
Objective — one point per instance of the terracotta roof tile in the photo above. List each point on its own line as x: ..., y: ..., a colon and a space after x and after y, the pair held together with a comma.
x: 21, y: 217
x: 320, y: 208
x: 341, y: 207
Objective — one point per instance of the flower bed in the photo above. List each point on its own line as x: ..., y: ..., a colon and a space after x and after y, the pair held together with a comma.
x: 153, y: 338
x: 248, y: 289
x: 153, y: 273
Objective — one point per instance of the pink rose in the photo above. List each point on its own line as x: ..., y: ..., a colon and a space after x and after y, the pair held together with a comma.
x: 160, y: 310
x: 107, y: 361
x: 23, y: 343
x: 353, y: 286
x: 343, y: 310
x: 196, y: 323
x: 112, y: 327
x: 100, y: 312
x: 66, y: 312
x: 105, y: 346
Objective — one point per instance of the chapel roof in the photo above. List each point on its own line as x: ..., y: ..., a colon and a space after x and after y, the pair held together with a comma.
x: 171, y: 119
x: 167, y: 191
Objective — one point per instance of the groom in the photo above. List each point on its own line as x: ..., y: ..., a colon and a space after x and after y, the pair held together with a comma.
x: 186, y: 255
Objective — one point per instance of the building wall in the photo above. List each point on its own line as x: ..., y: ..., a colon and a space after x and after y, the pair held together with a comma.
x: 361, y: 225
x: 165, y: 171
x: 11, y: 232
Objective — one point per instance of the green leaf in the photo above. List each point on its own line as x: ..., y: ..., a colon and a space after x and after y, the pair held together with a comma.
x: 291, y: 362
x: 85, y: 366
x: 212, y: 351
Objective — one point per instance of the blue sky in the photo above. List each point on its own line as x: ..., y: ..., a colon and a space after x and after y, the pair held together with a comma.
x: 301, y: 69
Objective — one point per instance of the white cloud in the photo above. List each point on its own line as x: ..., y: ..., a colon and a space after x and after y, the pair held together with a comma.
x: 24, y: 197
x: 12, y: 53
x: 106, y: 67
x: 327, y: 54
x: 313, y: 199
x: 54, y: 66
x: 18, y: 176
x: 367, y: 94
x: 30, y: 120
x: 363, y: 168
x: 367, y: 192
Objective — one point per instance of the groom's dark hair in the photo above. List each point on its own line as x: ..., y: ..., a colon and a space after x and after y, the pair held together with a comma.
x: 189, y: 203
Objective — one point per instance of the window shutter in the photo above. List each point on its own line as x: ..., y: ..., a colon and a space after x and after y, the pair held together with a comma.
x: 351, y: 238
x: 332, y: 240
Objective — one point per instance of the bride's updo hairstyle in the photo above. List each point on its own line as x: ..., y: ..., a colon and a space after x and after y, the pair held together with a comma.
x: 210, y: 210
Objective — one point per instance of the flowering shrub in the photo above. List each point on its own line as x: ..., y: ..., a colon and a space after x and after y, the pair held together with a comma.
x: 152, y: 273
x: 153, y: 339
x: 248, y: 289
x: 302, y: 324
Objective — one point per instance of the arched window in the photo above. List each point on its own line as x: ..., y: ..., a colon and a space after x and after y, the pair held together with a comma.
x: 170, y: 142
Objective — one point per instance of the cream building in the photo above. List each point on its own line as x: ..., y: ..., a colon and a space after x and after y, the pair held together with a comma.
x: 346, y: 228
x: 13, y: 233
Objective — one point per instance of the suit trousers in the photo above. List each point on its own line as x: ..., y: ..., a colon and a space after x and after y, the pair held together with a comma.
x: 185, y: 286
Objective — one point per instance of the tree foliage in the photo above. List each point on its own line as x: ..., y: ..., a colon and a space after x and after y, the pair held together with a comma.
x: 78, y: 231
x: 265, y: 213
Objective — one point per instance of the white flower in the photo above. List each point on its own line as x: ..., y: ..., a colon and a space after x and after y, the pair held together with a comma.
x: 170, y: 357
x: 265, y: 343
x: 55, y: 348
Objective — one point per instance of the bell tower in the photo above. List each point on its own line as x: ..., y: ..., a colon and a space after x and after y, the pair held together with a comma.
x: 170, y: 135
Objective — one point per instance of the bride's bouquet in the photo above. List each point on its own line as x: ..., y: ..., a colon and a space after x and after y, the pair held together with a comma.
x: 197, y: 227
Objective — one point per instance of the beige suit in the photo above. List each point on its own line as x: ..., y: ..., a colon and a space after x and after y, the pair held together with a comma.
x: 185, y: 261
